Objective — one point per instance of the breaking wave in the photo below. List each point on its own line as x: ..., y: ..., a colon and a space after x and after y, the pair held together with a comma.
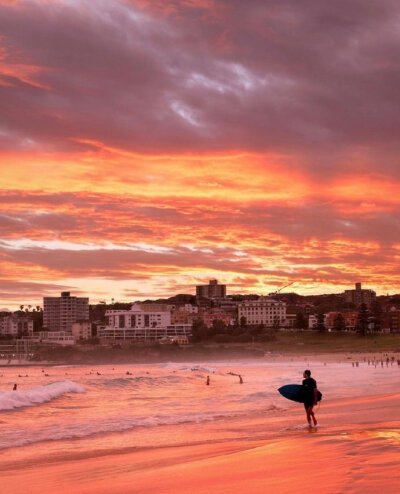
x: 10, y: 400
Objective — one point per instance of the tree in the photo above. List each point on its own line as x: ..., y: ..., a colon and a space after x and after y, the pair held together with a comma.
x: 339, y: 324
x: 362, y: 320
x: 276, y: 324
x: 376, y: 317
x: 321, y: 322
x: 218, y: 326
x: 200, y: 331
x: 301, y: 321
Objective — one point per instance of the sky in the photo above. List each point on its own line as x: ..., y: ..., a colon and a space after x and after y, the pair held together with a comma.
x: 148, y: 146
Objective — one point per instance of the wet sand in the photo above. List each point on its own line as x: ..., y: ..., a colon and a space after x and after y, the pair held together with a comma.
x: 355, y: 450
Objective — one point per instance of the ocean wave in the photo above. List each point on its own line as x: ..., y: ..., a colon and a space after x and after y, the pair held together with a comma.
x: 137, y: 380
x: 123, y: 424
x: 10, y: 400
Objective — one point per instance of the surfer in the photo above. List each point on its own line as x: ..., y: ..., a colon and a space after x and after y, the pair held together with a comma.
x: 15, y: 387
x: 240, y: 379
x: 310, y: 396
x: 208, y: 381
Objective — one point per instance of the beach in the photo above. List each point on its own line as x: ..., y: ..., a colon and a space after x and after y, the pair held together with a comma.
x: 159, y: 428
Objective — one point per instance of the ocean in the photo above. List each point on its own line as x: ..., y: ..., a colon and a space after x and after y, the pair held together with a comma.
x: 66, y: 413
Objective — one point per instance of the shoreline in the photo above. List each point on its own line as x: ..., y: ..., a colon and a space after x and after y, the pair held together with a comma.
x: 268, y: 357
x: 355, y: 450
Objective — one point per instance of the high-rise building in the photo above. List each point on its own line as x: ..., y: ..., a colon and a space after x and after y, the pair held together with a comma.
x: 59, y: 313
x: 360, y: 296
x: 212, y: 290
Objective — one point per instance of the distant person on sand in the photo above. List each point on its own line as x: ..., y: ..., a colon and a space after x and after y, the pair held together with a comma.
x: 240, y: 379
x: 15, y: 387
x: 208, y: 381
x: 310, y: 396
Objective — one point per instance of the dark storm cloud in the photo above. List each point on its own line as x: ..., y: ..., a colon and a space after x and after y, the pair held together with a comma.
x: 312, y: 77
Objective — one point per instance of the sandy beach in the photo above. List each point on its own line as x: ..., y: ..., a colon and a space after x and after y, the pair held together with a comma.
x: 355, y: 449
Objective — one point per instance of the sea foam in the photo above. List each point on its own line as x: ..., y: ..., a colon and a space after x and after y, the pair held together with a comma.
x: 9, y: 400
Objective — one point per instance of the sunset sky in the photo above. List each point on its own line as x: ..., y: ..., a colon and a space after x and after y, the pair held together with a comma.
x: 148, y: 146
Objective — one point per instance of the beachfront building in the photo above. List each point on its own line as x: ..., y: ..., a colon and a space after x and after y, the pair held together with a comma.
x: 142, y: 322
x: 16, y: 325
x: 360, y: 296
x: 266, y: 311
x: 212, y: 290
x: 63, y: 338
x: 59, y: 313
x: 82, y: 330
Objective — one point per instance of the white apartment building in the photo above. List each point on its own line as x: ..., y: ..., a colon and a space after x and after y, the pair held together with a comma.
x: 16, y: 326
x: 262, y: 311
x: 82, y: 330
x: 59, y: 313
x: 142, y: 322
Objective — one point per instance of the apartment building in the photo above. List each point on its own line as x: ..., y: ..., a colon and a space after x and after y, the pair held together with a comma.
x: 59, y: 313
x: 265, y: 311
x: 142, y: 322
x: 212, y: 290
x: 16, y: 326
x: 360, y: 296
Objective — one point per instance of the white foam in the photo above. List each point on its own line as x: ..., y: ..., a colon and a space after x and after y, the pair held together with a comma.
x: 9, y: 400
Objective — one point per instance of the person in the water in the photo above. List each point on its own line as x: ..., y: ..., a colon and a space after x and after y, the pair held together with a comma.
x: 15, y: 387
x: 310, y: 394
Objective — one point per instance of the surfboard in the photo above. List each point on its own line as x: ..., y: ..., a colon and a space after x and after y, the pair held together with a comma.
x: 294, y: 392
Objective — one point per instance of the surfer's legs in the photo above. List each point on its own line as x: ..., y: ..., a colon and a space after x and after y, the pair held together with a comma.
x: 310, y: 415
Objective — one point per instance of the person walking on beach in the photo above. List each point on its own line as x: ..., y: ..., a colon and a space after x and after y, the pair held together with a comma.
x: 208, y: 381
x: 310, y: 396
x: 15, y: 387
x: 240, y: 379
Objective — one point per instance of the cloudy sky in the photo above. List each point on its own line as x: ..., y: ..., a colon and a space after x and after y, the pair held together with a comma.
x: 149, y: 145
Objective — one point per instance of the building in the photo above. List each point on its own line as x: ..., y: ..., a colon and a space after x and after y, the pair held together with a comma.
x: 174, y: 332
x: 350, y: 320
x: 144, y: 322
x: 265, y: 311
x: 391, y: 321
x: 360, y: 296
x: 59, y: 313
x: 82, y: 330
x: 216, y: 314
x: 16, y: 326
x: 313, y: 321
x: 190, y: 308
x: 212, y: 290
x: 63, y: 338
